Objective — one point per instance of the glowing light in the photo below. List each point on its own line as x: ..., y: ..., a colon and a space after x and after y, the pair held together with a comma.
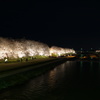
x: 97, y: 51
x: 10, y: 48
x: 61, y: 51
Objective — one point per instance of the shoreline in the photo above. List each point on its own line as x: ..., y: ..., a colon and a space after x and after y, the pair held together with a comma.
x: 27, y: 73
x: 30, y: 71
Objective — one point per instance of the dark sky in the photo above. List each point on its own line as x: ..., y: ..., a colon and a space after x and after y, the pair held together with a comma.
x: 65, y: 24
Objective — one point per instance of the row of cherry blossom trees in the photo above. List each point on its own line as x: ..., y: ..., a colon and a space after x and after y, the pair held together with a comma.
x: 10, y: 48
x: 58, y: 51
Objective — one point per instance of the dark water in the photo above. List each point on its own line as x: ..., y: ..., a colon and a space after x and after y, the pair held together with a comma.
x: 68, y: 81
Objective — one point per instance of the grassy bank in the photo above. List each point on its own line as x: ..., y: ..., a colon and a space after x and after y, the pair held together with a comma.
x: 16, y: 65
x: 26, y: 71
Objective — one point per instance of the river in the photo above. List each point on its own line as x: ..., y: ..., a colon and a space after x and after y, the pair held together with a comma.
x: 68, y: 81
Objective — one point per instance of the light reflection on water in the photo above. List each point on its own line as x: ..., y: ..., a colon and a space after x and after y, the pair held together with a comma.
x: 68, y: 80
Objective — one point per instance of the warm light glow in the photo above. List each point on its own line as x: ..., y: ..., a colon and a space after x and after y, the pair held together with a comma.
x: 97, y: 51
x: 61, y: 51
x: 10, y: 48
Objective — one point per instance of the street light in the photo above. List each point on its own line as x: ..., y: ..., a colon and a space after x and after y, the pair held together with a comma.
x: 81, y: 49
x: 91, y: 48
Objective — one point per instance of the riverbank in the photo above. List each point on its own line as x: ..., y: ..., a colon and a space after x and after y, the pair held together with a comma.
x: 19, y: 73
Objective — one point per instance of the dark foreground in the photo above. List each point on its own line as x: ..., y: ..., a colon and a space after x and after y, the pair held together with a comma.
x: 71, y: 80
x: 22, y: 72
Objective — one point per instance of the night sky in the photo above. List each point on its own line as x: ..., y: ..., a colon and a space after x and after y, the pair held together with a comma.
x: 64, y: 24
